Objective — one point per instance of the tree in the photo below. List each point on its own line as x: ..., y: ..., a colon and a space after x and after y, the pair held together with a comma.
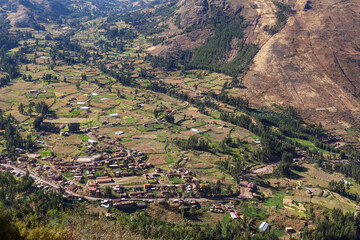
x: 29, y: 143
x: 8, y: 229
x: 74, y: 127
x: 155, y: 113
x: 37, y: 122
x: 21, y: 108
x: 340, y: 226
x: 312, y: 213
x: 170, y: 118
x: 338, y: 187
x: 83, y: 77
x: 107, y: 192
x: 217, y: 188
x: 42, y: 108
x: 283, y: 168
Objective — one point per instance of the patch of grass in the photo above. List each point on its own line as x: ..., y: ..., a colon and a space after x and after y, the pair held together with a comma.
x: 350, y: 131
x: 354, y: 188
x: 191, y: 76
x: 254, y: 212
x: 277, y: 200
x: 227, y: 218
x: 176, y: 180
x: 176, y: 127
x: 304, y: 143
x: 278, y: 232
x: 89, y: 123
x: 254, y: 136
x: 294, y: 210
x: 153, y: 127
x: 311, y: 146
x: 75, y: 112
x: 69, y: 175
x: 188, y: 83
x: 208, y: 172
x: 85, y: 138
x: 45, y: 153
x: 131, y: 120
x: 216, y: 115
x: 168, y: 161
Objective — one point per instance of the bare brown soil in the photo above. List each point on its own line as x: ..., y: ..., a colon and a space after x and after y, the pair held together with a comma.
x: 312, y: 64
x: 146, y: 145
x: 157, y: 159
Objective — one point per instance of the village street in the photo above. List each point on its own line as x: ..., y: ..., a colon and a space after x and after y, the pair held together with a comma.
x: 54, y: 185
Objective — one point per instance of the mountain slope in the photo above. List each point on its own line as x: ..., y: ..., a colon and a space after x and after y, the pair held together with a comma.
x: 313, y: 64
x: 310, y: 61
x: 307, y: 58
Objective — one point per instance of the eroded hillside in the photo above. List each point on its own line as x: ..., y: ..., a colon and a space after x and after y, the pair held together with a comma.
x: 311, y: 63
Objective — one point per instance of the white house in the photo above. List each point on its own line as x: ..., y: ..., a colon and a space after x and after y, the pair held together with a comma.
x: 346, y: 182
x: 263, y: 226
x: 195, y: 130
x: 92, y: 141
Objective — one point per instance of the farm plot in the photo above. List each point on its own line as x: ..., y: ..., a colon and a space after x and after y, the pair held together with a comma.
x: 157, y: 159
x: 146, y: 145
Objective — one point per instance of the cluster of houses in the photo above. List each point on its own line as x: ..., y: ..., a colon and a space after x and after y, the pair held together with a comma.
x: 47, y: 174
x: 169, y: 190
x: 182, y: 173
x: 221, y: 208
x: 123, y: 163
x: 85, y: 175
x: 186, y: 203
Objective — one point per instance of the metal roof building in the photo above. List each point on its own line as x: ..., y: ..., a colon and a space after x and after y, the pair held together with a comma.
x: 263, y: 226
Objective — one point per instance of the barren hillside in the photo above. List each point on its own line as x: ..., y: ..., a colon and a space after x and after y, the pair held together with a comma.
x: 312, y: 64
